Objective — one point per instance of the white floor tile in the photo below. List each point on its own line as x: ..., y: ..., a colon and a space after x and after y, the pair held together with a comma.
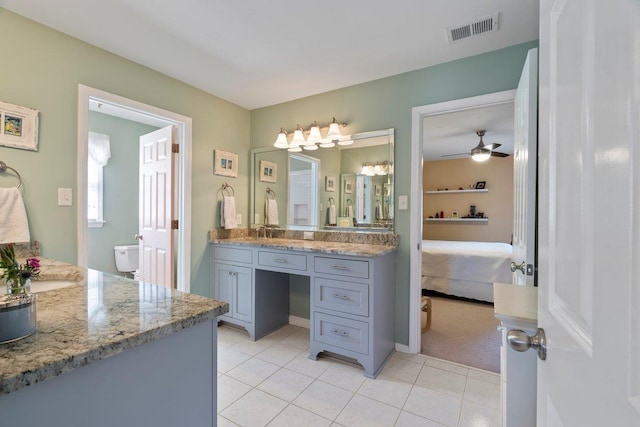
x: 295, y: 416
x: 223, y: 422
x: 312, y: 368
x: 411, y: 357
x: 279, y: 354
x: 447, y: 366
x: 402, y: 370
x: 387, y: 390
x: 253, y: 371
x: 229, y: 359
x: 441, y: 380
x: 344, y: 376
x: 255, y: 408
x: 482, y: 392
x: 434, y: 405
x: 251, y: 347
x: 298, y: 340
x: 489, y: 377
x: 230, y: 390
x: 228, y: 336
x: 407, y: 419
x: 324, y: 399
x: 285, y: 384
x: 365, y: 412
x: 475, y: 415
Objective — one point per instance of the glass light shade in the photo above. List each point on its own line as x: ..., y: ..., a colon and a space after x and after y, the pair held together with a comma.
x: 378, y: 170
x: 334, y: 132
x: 295, y: 149
x: 480, y: 155
x: 308, y: 146
x: 281, y: 141
x: 345, y: 140
x: 298, y: 139
x: 313, y: 138
x: 327, y: 143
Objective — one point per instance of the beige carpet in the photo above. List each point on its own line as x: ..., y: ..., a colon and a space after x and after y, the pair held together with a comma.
x: 463, y: 332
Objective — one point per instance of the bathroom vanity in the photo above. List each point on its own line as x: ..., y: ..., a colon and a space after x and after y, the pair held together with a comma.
x: 352, y: 292
x: 110, y: 351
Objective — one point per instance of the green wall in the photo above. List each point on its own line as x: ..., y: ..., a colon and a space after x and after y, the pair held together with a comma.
x: 43, y: 70
x: 120, y: 180
x: 387, y: 103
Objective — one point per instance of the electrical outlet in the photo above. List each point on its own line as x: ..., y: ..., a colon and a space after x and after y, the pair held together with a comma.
x: 239, y: 219
x: 403, y: 203
x: 65, y: 197
x: 256, y: 219
x: 308, y: 235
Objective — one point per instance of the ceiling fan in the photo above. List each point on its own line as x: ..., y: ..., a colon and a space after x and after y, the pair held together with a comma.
x: 482, y: 151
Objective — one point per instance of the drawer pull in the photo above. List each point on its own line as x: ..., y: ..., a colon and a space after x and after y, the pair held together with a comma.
x: 340, y: 267
x: 280, y: 260
x: 342, y: 297
x: 343, y: 334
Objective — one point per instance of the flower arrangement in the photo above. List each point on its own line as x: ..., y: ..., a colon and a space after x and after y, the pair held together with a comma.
x: 16, y: 275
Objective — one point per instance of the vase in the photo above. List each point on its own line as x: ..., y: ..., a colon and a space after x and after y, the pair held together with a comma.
x: 17, y: 316
x: 18, y: 286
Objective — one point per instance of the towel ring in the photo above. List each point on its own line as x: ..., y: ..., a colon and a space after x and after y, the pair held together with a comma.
x: 331, y: 201
x: 270, y: 192
x: 226, y: 186
x: 4, y: 167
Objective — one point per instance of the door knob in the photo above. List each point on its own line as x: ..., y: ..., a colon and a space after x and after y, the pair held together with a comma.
x: 138, y: 236
x: 520, y: 341
x: 520, y: 267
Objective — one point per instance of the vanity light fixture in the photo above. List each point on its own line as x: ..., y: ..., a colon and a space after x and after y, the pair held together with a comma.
x: 314, y: 138
x: 383, y: 168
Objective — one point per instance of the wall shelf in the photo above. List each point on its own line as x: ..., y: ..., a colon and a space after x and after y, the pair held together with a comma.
x: 467, y: 220
x: 483, y: 190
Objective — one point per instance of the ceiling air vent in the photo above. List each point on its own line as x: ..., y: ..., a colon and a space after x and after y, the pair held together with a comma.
x: 480, y: 26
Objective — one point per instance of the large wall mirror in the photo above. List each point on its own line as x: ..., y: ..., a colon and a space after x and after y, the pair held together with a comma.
x: 343, y: 187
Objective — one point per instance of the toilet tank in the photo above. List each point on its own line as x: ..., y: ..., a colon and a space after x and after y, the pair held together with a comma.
x: 126, y: 258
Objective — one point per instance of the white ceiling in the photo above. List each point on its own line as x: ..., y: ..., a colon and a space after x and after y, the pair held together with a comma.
x: 258, y: 53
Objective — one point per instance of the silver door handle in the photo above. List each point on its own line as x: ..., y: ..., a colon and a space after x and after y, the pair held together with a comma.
x: 138, y: 236
x: 520, y: 341
x: 342, y: 297
x: 520, y: 267
x: 340, y: 267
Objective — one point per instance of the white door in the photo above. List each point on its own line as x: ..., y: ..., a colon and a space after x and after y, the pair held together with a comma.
x: 524, y: 172
x: 589, y: 213
x: 156, y: 207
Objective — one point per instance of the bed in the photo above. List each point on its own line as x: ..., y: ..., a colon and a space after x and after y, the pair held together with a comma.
x: 465, y: 269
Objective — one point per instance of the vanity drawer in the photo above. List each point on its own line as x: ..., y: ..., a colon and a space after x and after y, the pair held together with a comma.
x: 342, y: 267
x: 233, y: 254
x: 280, y: 260
x: 347, y: 297
x: 340, y: 332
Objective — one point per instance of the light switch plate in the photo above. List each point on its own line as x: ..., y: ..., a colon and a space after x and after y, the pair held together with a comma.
x: 65, y: 197
x: 403, y: 202
x: 239, y: 219
x: 256, y: 218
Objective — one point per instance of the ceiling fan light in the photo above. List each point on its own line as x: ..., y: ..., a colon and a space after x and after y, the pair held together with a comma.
x: 480, y: 155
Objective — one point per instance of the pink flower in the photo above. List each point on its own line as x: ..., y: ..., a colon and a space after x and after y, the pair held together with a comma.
x: 33, y: 262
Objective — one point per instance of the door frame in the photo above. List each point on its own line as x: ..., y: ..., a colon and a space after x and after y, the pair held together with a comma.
x: 415, y: 234
x: 182, y: 178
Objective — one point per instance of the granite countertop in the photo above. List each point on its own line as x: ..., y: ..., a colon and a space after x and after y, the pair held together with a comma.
x: 100, y: 316
x: 340, y: 248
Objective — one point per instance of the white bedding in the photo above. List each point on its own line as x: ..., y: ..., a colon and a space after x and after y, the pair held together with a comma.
x: 465, y: 269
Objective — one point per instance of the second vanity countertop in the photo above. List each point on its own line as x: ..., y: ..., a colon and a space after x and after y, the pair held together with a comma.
x: 100, y: 316
x: 337, y: 248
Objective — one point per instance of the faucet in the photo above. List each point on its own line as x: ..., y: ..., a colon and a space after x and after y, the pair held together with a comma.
x: 263, y: 229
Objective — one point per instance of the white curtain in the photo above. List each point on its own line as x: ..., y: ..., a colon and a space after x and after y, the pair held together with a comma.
x: 99, y: 148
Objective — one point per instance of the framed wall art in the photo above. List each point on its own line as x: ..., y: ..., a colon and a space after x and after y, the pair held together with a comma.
x: 225, y: 163
x: 330, y: 183
x: 268, y: 171
x: 348, y: 187
x: 18, y: 127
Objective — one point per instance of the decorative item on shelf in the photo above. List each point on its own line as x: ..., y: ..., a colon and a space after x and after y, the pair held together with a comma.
x: 472, y: 211
x: 18, y: 306
x: 454, y: 214
x: 314, y: 137
x: 441, y: 214
x: 480, y: 185
x: 437, y: 215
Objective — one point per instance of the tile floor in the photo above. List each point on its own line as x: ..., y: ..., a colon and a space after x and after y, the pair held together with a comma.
x: 272, y: 382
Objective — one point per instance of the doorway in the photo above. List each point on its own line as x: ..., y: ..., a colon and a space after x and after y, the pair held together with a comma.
x: 135, y: 111
x: 416, y: 212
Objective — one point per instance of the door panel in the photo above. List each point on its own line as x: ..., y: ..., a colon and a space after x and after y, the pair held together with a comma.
x: 243, y: 299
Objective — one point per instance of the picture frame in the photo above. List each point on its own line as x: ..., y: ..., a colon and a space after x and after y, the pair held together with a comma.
x: 387, y: 190
x: 348, y: 187
x: 18, y: 126
x: 454, y: 214
x: 225, y: 163
x: 480, y: 185
x: 268, y: 171
x: 330, y: 183
x: 378, y: 190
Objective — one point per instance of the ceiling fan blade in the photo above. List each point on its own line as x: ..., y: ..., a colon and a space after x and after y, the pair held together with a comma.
x: 451, y: 155
x: 492, y: 146
x: 498, y: 154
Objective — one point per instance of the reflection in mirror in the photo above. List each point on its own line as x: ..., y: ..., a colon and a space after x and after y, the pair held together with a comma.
x: 331, y: 189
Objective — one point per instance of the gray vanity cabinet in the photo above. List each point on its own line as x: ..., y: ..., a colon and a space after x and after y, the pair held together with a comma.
x: 233, y: 285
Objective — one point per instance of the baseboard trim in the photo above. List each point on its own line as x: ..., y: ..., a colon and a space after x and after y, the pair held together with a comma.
x: 402, y: 348
x: 300, y: 321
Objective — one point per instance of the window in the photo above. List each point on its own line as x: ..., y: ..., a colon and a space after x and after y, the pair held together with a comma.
x: 99, y: 154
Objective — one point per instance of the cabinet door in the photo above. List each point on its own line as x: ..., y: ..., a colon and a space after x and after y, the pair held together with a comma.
x: 243, y: 294
x: 223, y: 285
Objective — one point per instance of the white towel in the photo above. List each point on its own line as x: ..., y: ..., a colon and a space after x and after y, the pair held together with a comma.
x: 331, y: 215
x: 271, y: 212
x: 14, y: 226
x: 228, y: 212
x: 350, y: 211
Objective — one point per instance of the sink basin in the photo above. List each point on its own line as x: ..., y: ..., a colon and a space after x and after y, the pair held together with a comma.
x: 49, y: 285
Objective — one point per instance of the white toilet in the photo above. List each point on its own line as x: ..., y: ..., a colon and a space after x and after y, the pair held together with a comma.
x: 127, y: 260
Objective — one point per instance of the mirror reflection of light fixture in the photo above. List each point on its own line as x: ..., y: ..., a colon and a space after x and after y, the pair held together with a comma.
x: 314, y: 138
x: 383, y: 168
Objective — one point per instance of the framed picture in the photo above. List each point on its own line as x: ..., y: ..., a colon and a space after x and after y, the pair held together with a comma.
x: 348, y: 186
x: 268, y: 171
x: 330, y: 183
x: 387, y: 190
x: 378, y: 190
x: 18, y: 127
x: 225, y: 163
x: 481, y: 185
x: 454, y: 214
